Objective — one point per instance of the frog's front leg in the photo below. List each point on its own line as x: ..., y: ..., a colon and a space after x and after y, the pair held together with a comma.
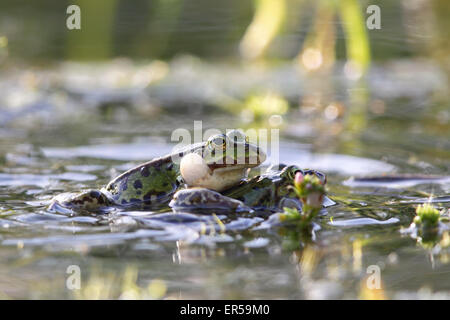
x: 202, y: 200
x: 88, y: 200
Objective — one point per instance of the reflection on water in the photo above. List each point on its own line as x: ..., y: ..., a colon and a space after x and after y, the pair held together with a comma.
x: 225, y: 256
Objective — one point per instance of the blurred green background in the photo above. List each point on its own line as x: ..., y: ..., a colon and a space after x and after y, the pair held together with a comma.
x: 275, y: 29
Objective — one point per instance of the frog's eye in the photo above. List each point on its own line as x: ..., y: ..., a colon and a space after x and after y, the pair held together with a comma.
x: 322, y: 177
x: 292, y: 173
x: 217, y: 142
x: 289, y: 172
x: 237, y: 136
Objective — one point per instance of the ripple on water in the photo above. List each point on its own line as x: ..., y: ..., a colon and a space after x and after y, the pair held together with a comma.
x: 400, y: 181
x: 359, y: 222
x: 85, y: 240
x: 125, y: 152
x: 338, y: 163
x: 42, y: 181
x: 257, y: 243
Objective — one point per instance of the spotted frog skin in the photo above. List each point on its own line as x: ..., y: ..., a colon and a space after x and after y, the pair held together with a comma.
x: 217, y: 164
x: 269, y: 192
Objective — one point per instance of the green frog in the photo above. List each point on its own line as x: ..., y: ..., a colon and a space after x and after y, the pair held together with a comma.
x: 216, y: 164
x: 215, y: 173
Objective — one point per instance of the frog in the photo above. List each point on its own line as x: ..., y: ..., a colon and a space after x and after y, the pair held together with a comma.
x: 269, y: 192
x: 216, y: 164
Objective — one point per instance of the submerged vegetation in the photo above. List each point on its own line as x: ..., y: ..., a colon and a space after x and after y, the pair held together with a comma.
x: 123, y: 286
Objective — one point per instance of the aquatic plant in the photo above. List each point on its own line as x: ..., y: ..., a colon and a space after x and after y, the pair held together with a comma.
x: 427, y: 215
x: 425, y: 227
x: 310, y: 190
x: 319, y: 46
x: 357, y: 40
x: 266, y: 24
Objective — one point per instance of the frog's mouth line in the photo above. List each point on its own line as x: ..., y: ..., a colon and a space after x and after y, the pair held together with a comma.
x: 231, y: 166
x: 239, y: 163
x: 227, y: 168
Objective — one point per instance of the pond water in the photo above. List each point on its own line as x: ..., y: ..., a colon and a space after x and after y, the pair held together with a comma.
x: 67, y: 131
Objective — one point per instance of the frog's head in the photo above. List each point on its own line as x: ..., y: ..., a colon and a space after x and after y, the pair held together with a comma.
x: 222, y: 161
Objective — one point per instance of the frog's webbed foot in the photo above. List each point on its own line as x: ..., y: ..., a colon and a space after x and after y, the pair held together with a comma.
x: 89, y: 200
x: 202, y: 200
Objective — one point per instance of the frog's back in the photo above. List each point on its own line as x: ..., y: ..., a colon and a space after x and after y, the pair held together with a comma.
x: 150, y: 184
